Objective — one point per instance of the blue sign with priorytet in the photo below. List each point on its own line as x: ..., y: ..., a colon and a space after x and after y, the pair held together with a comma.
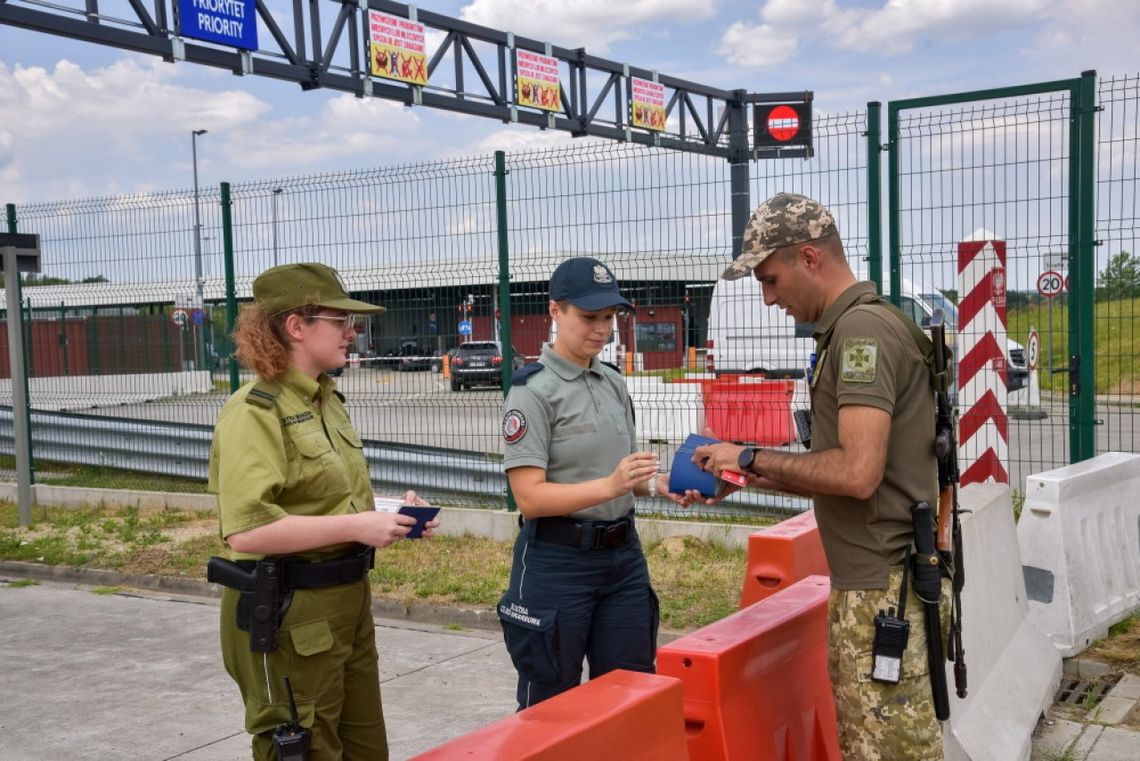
x: 226, y: 22
x: 465, y: 327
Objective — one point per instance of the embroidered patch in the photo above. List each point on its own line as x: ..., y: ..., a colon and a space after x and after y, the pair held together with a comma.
x: 300, y: 417
x: 860, y: 356
x: 602, y: 275
x: 514, y: 426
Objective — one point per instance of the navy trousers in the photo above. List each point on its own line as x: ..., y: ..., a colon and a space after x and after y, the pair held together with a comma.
x: 565, y: 604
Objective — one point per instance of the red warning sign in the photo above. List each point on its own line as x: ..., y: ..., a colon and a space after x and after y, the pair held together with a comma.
x: 783, y: 123
x: 779, y: 128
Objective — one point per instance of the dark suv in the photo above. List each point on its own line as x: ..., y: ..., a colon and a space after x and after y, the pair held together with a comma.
x: 479, y: 362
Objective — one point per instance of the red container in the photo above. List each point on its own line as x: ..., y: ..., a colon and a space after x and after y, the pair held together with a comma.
x: 757, y: 412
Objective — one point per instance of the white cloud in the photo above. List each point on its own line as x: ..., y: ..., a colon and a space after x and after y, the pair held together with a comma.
x: 757, y: 45
x: 593, y: 24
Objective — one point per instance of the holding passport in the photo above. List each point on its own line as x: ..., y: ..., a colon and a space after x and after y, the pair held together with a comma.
x: 686, y: 474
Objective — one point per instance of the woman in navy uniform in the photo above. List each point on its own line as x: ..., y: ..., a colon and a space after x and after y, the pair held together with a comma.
x: 579, y: 585
x: 292, y: 481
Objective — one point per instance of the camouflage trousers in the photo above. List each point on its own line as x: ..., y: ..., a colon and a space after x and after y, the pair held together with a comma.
x: 881, y: 722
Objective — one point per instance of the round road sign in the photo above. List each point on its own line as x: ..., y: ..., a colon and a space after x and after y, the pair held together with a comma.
x: 1032, y: 350
x: 179, y: 317
x: 783, y: 123
x: 1050, y: 283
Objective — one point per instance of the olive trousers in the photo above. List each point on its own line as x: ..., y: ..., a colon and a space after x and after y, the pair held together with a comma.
x: 327, y: 648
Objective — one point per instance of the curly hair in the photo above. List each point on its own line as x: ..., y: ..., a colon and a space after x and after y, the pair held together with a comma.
x: 260, y: 341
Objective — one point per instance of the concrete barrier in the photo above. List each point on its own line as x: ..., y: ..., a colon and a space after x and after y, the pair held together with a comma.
x: 1078, y: 537
x: 666, y: 411
x: 1013, y: 668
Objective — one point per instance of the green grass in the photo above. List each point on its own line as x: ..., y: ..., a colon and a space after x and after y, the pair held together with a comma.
x: 697, y: 582
x: 1116, y: 336
x: 21, y: 583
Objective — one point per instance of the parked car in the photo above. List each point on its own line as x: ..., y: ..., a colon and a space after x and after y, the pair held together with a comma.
x: 480, y: 363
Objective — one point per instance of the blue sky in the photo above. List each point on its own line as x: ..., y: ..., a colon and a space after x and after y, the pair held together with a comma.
x: 80, y: 120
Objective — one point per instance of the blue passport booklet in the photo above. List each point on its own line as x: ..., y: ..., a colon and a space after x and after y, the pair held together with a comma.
x: 685, y: 474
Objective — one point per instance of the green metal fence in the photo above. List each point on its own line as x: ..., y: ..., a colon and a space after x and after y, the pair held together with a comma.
x: 145, y: 339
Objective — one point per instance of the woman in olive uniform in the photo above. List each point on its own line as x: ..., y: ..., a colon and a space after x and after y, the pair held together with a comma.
x: 579, y: 585
x: 292, y: 481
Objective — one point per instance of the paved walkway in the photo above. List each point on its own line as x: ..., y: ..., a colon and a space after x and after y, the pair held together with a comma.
x: 136, y: 675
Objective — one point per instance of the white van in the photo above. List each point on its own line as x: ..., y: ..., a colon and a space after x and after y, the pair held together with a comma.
x: 612, y: 353
x: 747, y: 336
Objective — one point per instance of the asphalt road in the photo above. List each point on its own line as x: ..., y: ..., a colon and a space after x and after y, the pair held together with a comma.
x: 420, y: 409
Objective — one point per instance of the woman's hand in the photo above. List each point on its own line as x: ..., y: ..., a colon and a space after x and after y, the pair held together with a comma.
x: 632, y: 471
x: 381, y: 528
x: 684, y: 500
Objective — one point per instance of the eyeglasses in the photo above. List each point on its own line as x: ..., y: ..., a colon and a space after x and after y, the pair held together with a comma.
x: 347, y: 321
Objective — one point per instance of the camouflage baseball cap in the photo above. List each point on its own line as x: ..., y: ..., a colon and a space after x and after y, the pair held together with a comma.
x: 783, y: 220
x: 296, y: 285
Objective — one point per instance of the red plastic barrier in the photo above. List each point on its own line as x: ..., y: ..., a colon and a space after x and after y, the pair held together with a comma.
x: 781, y: 555
x: 759, y: 412
x: 623, y: 714
x: 756, y: 683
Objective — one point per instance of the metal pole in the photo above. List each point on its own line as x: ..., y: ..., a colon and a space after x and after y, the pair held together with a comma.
x: 874, y: 194
x: 20, y: 422
x: 276, y: 195
x: 740, y: 200
x: 504, y: 284
x: 198, y: 288
x: 231, y: 289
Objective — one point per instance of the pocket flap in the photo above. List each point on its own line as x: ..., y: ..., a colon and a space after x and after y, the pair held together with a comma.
x: 351, y: 437
x: 312, y: 445
x: 311, y: 638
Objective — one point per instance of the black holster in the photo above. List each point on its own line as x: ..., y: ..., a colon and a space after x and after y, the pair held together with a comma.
x: 262, y: 599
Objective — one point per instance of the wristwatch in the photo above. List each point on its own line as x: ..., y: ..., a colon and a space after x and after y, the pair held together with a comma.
x: 747, y: 455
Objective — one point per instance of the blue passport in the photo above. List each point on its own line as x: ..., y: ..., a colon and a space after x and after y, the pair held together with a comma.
x: 685, y: 474
x: 422, y: 514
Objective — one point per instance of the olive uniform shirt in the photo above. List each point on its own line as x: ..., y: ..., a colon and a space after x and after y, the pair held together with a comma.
x: 287, y: 455
x: 873, y: 360
x: 575, y: 423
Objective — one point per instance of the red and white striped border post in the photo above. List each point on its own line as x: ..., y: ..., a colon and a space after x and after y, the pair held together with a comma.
x: 983, y: 427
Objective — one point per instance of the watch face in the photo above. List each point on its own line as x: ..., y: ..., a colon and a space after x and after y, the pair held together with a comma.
x: 745, y: 459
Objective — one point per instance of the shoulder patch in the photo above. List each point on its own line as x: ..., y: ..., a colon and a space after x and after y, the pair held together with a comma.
x: 860, y: 360
x: 612, y: 366
x: 522, y: 375
x: 514, y: 426
x: 263, y: 394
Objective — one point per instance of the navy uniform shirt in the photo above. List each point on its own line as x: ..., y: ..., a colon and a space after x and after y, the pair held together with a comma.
x: 573, y: 422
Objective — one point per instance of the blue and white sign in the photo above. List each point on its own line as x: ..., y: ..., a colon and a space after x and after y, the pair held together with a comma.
x: 226, y: 22
x: 465, y: 327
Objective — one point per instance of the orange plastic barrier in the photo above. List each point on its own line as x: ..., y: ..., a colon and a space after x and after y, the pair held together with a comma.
x: 756, y: 683
x: 781, y: 555
x: 623, y: 714
x: 759, y: 412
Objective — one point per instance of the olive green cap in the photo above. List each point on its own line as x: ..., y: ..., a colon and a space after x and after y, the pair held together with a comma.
x: 296, y: 285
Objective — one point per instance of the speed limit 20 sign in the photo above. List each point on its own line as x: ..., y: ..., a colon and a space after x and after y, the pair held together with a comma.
x: 1050, y: 283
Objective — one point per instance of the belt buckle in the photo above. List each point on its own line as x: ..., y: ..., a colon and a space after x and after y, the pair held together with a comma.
x: 610, y: 537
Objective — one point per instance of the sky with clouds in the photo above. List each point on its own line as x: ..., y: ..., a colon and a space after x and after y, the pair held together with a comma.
x: 80, y: 120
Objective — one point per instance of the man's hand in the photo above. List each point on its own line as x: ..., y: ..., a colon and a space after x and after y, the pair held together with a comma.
x: 715, y: 458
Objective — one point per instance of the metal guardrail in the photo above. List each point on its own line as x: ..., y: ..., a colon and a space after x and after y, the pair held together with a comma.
x: 183, y: 449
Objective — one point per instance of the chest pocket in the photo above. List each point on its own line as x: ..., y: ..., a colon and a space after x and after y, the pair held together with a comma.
x: 571, y: 431
x: 352, y: 450
x: 318, y: 471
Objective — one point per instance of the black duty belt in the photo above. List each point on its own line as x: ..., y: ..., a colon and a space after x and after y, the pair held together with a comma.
x: 586, y: 535
x: 302, y: 574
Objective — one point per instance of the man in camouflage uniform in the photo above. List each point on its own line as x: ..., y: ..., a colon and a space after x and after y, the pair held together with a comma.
x: 871, y: 458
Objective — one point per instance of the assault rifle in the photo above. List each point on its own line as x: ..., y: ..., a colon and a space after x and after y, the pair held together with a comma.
x: 948, y: 535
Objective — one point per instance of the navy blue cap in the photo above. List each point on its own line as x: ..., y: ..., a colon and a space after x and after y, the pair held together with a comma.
x: 587, y: 284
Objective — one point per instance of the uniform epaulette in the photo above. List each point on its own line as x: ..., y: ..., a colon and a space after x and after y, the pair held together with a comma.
x: 263, y: 394
x: 522, y: 375
x: 611, y: 365
x: 340, y: 396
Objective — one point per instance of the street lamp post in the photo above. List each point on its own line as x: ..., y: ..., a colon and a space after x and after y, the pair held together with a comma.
x: 276, y: 194
x: 198, y: 285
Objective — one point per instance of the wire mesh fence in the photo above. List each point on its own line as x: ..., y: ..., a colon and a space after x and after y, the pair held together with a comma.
x: 128, y: 319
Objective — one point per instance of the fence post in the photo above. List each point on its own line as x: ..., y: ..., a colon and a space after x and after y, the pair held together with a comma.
x: 504, y: 285
x: 231, y: 295
x: 12, y: 228
x: 18, y: 364
x: 875, y: 194
x: 740, y: 201
x: 1082, y: 348
x: 893, y: 228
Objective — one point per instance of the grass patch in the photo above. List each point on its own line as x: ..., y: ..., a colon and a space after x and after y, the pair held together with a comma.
x: 109, y: 478
x: 697, y: 582
x: 1121, y: 647
x: 106, y: 590
x: 21, y: 583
